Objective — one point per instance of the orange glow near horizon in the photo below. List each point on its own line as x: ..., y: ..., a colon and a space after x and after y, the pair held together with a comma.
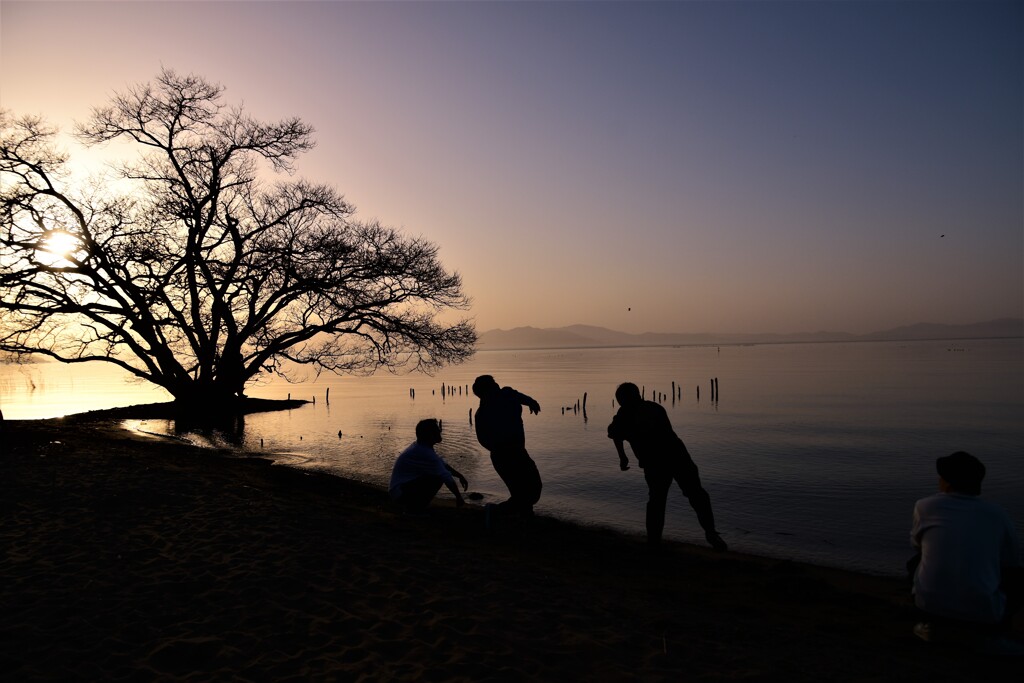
x: 714, y: 167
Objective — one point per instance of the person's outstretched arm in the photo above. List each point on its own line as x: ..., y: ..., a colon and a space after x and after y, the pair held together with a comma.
x: 617, y: 434
x: 459, y: 501
x: 623, y: 460
x: 458, y: 475
x: 915, y: 528
x: 527, y: 401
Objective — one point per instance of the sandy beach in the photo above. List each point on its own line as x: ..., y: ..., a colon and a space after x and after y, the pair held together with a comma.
x: 129, y: 558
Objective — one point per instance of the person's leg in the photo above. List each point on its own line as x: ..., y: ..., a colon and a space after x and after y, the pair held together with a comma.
x: 912, y: 564
x: 504, y: 465
x: 688, y: 477
x: 519, y: 472
x: 659, y: 480
x: 528, y: 484
x: 417, y: 494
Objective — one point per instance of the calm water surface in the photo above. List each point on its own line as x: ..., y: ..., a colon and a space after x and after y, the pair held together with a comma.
x: 813, y: 452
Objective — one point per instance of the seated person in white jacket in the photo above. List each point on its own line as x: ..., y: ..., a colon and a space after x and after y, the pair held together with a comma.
x: 969, y: 567
x: 419, y: 472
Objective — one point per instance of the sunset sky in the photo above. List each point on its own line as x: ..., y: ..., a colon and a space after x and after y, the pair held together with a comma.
x: 667, y: 167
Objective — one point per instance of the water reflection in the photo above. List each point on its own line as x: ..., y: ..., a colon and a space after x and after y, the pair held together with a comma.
x: 214, y: 428
x: 811, y: 451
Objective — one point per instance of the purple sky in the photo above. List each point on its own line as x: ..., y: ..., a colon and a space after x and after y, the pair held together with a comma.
x: 729, y: 166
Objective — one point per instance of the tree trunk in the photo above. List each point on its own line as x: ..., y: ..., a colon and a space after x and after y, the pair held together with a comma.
x: 208, y: 405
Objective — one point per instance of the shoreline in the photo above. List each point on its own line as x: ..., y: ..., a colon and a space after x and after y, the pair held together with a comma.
x: 141, y: 412
x: 130, y: 557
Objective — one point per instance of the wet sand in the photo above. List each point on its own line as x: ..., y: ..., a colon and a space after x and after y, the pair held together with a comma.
x: 127, y: 558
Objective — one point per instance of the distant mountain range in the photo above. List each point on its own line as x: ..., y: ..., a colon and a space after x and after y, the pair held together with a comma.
x: 580, y: 336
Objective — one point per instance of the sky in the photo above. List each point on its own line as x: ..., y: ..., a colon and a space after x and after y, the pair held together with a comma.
x: 644, y: 166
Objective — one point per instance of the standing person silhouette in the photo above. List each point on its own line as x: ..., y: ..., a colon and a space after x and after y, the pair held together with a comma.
x: 499, y: 429
x: 663, y: 457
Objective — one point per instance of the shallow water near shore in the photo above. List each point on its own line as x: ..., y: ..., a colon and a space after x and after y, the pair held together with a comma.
x: 813, y: 452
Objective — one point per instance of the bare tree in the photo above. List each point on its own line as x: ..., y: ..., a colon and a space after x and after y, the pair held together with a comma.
x: 198, y: 275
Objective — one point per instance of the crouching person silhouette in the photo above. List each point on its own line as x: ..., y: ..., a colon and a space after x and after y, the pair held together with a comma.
x: 967, y: 570
x: 663, y: 457
x: 419, y: 472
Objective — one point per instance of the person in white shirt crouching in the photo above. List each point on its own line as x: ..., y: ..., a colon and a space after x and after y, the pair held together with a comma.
x: 419, y: 472
x: 967, y: 570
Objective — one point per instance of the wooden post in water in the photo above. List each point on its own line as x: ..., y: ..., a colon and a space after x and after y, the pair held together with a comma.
x: 698, y: 392
x: 470, y: 417
x: 327, y: 397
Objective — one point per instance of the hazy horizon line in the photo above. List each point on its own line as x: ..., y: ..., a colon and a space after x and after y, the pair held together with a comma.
x: 1001, y: 320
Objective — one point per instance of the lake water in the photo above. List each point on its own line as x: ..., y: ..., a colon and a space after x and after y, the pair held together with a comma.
x: 813, y: 452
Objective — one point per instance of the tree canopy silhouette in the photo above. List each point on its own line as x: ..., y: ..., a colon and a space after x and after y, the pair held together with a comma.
x: 203, y: 263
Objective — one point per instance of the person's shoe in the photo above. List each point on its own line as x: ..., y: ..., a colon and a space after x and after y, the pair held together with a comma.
x: 716, y: 541
x: 923, y: 630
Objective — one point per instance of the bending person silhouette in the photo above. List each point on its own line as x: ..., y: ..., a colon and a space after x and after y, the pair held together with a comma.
x: 663, y: 457
x: 499, y: 429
